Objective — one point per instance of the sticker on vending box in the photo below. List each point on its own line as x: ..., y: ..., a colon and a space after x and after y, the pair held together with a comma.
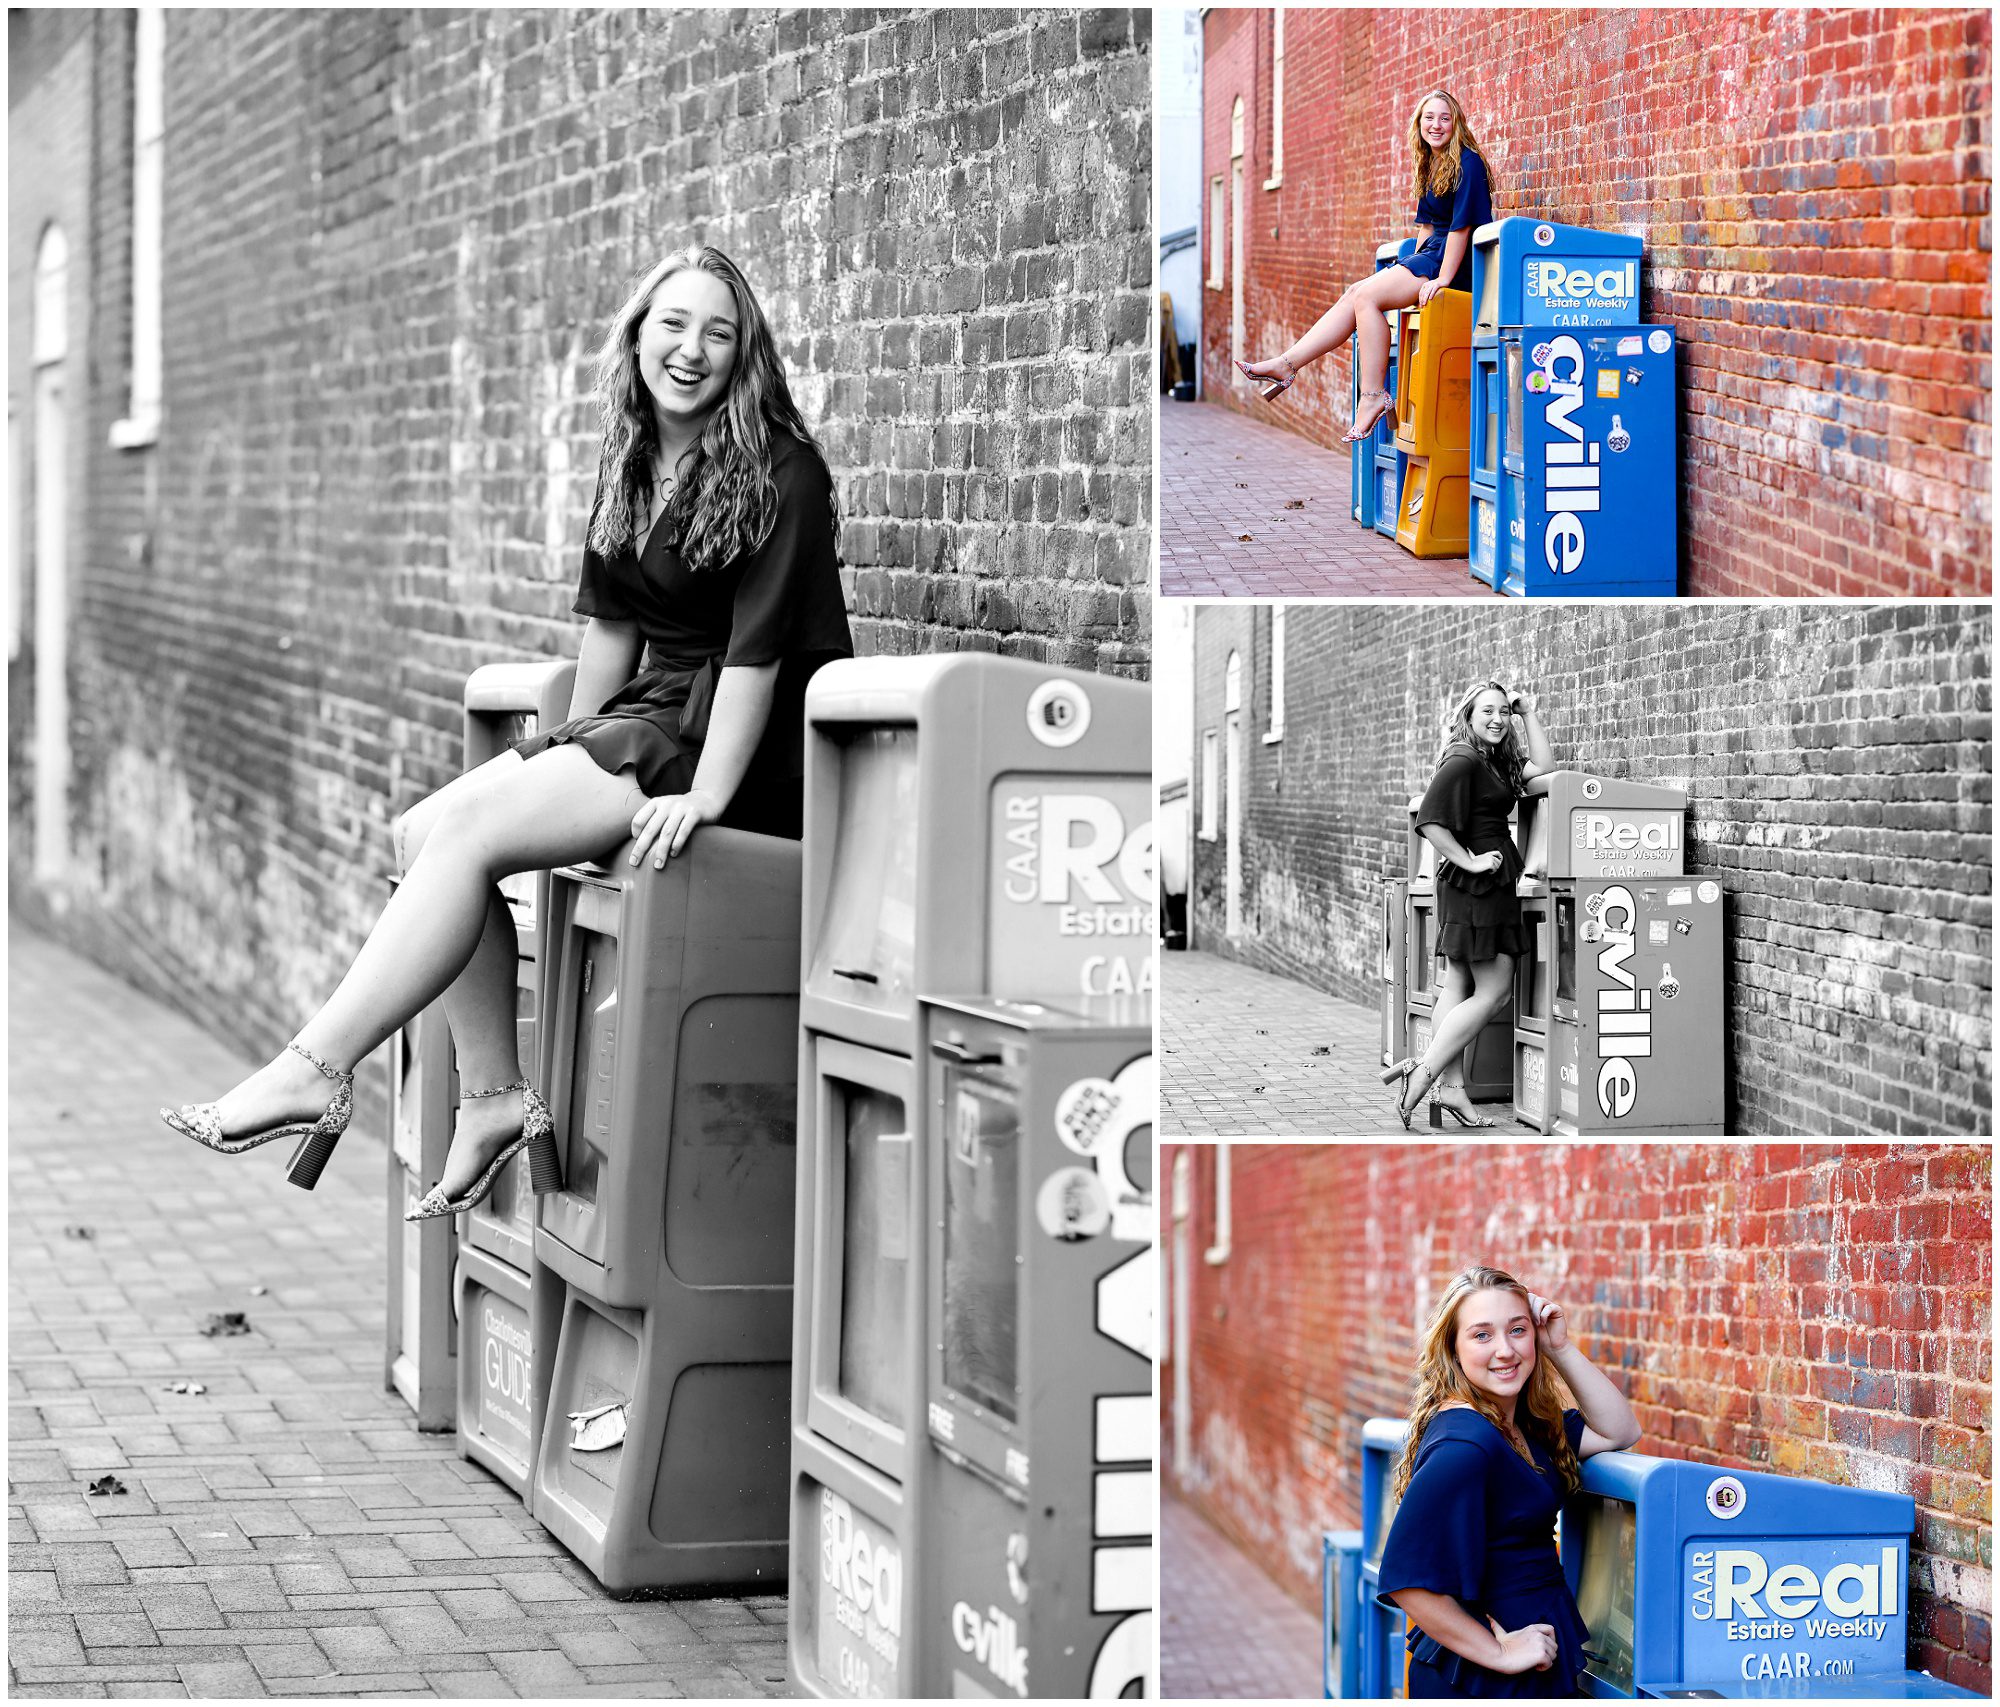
x: 1618, y: 438
x: 1070, y: 1205
x: 1629, y: 346
x: 1607, y: 382
x: 1709, y: 892
x: 1656, y: 930
x: 1540, y: 354
x: 1680, y: 897
x: 1660, y: 342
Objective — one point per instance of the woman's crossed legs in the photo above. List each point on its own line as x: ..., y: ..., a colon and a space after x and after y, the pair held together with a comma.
x: 447, y: 931
x: 1469, y: 995
x: 1361, y: 314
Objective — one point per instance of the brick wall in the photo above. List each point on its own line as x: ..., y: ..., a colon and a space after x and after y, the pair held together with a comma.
x: 393, y: 240
x: 1818, y: 1311
x: 1837, y: 761
x: 1814, y: 190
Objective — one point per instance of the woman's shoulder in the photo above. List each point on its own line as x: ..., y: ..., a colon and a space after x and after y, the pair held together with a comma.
x: 1456, y: 758
x: 1459, y: 1423
x: 1470, y: 160
x: 796, y: 467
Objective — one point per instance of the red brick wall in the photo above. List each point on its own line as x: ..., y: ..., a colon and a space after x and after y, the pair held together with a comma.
x: 1813, y: 188
x: 392, y: 243
x: 1837, y: 760
x: 1819, y: 1311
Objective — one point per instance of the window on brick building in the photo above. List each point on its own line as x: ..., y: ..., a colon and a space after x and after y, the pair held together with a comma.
x: 1215, y: 228
x: 1211, y: 781
x: 1238, y: 241
x: 1277, y: 176
x: 141, y: 425
x: 1276, y: 674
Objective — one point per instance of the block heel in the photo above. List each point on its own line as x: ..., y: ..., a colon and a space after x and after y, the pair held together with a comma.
x: 310, y: 1158
x: 544, y: 1165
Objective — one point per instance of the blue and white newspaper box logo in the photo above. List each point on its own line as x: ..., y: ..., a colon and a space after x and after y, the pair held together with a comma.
x: 1822, y: 1609
x: 1568, y: 291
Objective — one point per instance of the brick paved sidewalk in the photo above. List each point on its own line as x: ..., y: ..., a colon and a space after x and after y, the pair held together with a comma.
x: 1225, y: 1628
x: 1245, y: 1053
x: 1223, y: 475
x: 287, y: 1532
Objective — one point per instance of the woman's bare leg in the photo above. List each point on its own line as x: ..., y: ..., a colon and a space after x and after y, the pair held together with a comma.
x: 516, y: 816
x: 1393, y: 287
x: 1492, y: 987
x: 1454, y: 985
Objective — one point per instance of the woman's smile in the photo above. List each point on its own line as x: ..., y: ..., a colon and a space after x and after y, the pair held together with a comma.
x: 687, y: 345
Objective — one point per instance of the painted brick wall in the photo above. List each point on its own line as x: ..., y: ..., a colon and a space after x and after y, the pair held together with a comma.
x: 392, y: 243
x: 1814, y: 190
x: 1819, y: 1311
x: 1837, y: 761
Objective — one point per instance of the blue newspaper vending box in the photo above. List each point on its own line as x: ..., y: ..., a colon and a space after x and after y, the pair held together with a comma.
x: 1533, y: 284
x: 1736, y: 1584
x: 1369, y: 489
x: 1378, y: 1627
x: 1596, y: 494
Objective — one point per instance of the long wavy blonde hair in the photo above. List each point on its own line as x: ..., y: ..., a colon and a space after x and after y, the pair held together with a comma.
x: 1436, y: 169
x: 1455, y: 731
x: 726, y: 503
x: 1441, y: 1380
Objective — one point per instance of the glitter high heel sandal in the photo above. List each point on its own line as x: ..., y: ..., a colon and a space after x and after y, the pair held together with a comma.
x: 197, y: 1120
x: 1272, y: 389
x: 538, y: 1138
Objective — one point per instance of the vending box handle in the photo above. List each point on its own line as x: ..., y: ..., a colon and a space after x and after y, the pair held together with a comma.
x: 964, y: 1054
x: 856, y: 974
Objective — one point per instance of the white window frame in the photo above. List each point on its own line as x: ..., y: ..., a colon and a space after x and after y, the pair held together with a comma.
x: 1276, y: 730
x: 1277, y: 178
x: 1211, y: 781
x: 1217, y: 231
x: 141, y: 425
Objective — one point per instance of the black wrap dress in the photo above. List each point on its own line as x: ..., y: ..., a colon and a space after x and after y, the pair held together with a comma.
x: 1478, y: 1524
x: 1479, y: 914
x: 778, y: 604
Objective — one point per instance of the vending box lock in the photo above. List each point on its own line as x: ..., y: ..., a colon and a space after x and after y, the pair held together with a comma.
x: 954, y: 1049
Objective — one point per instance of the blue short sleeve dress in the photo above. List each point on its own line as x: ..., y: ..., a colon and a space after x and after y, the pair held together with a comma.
x: 779, y: 604
x: 1466, y: 208
x: 1478, y: 1524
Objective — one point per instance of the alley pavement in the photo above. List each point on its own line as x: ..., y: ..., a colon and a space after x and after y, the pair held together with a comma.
x: 1247, y: 1054
x: 1226, y: 1629
x: 286, y: 1531
x: 1250, y: 510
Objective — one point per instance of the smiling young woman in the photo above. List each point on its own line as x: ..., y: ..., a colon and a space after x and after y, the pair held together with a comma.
x: 1483, y: 764
x: 1454, y: 195
x: 712, y: 591
x: 1471, y: 1557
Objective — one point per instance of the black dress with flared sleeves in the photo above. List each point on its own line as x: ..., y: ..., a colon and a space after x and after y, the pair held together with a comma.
x: 1479, y: 915
x: 780, y: 603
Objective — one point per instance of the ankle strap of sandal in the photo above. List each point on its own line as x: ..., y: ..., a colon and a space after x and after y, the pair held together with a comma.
x: 465, y: 1095
x: 333, y: 1073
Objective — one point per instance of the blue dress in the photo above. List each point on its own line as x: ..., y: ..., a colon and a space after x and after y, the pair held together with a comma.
x: 1477, y: 1524
x: 1466, y: 209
